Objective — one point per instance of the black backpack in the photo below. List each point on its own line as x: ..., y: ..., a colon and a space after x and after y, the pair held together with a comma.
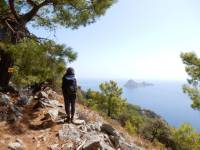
x: 69, y: 85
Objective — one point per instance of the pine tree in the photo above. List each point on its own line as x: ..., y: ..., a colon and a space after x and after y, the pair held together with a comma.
x: 192, y: 68
x: 16, y: 15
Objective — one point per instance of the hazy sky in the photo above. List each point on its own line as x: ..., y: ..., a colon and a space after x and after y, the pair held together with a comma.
x: 138, y: 39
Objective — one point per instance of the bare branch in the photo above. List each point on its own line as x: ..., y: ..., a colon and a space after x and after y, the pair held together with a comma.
x: 12, y: 8
x: 9, y: 26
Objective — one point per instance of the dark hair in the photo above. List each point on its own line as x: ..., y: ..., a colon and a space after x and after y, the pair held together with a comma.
x: 70, y: 71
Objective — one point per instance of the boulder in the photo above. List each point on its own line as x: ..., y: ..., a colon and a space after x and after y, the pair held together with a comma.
x: 95, y: 141
x: 109, y: 130
x: 51, y: 94
x: 115, y: 140
x: 94, y: 126
x: 50, y: 103
x: 95, y: 145
x: 23, y: 100
x: 78, y: 122
x: 14, y: 146
x: 4, y: 100
x: 122, y: 144
x: 20, y: 141
x: 54, y: 147
x: 18, y: 144
x: 14, y: 113
x: 68, y: 146
x: 125, y: 146
x: 55, y: 103
x: 52, y: 114
x: 115, y: 136
x: 3, y: 113
x: 42, y: 94
x: 69, y: 132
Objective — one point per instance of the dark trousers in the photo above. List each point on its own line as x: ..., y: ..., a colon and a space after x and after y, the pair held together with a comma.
x: 70, y: 102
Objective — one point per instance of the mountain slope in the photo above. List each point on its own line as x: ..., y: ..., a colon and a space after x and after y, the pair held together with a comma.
x: 37, y: 122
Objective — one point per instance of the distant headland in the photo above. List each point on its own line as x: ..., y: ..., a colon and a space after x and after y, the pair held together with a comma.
x: 130, y: 84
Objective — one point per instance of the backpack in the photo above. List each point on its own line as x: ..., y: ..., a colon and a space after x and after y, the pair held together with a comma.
x: 69, y: 85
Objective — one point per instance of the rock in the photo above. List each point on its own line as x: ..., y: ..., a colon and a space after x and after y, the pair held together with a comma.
x: 50, y: 103
x: 83, y: 129
x: 15, y: 145
x: 76, y: 116
x: 55, y: 103
x: 3, y: 113
x: 120, y: 142
x: 68, y: 146
x: 94, y: 142
x: 78, y: 122
x: 42, y: 137
x: 69, y: 132
x: 115, y: 136
x: 115, y: 140
x: 94, y: 126
x: 125, y: 146
x: 4, y: 100
x: 109, y: 130
x: 51, y: 94
x: 42, y: 94
x: 47, y: 90
x: 54, y: 147
x: 20, y: 141
x: 107, y: 139
x: 35, y: 97
x: 23, y: 100
x: 14, y: 114
x: 61, y: 113
x: 52, y: 113
x: 92, y: 145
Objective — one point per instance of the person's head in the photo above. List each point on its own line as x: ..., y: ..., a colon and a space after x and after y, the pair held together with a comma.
x: 70, y: 71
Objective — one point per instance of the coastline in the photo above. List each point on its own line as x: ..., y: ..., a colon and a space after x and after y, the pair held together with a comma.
x: 165, y: 98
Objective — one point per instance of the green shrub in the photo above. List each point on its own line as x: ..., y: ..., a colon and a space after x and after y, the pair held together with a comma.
x: 129, y: 127
x: 186, y: 138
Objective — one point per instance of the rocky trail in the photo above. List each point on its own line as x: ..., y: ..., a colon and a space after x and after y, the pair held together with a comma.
x: 36, y: 122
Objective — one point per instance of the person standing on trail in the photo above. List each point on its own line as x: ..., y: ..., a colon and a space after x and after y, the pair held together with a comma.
x: 69, y: 89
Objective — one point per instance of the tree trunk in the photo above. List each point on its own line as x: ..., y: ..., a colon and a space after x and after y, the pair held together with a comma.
x: 6, y: 62
x: 109, y: 107
x: 11, y: 32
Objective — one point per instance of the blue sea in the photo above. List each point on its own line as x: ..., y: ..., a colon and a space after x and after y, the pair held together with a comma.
x: 166, y: 98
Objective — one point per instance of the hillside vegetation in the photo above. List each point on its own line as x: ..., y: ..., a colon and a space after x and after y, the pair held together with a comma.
x: 137, y: 121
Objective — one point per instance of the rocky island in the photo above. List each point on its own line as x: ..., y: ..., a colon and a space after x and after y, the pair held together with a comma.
x: 130, y: 84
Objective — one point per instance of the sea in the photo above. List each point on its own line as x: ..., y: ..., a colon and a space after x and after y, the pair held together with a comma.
x: 166, y: 98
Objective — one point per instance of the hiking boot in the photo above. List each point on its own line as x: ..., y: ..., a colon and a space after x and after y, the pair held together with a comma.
x: 72, y: 119
x: 67, y: 120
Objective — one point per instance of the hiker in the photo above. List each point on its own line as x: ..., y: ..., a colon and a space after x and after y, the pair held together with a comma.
x: 69, y: 88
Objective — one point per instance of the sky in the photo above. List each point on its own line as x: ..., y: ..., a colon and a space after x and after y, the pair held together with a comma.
x: 135, y: 39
